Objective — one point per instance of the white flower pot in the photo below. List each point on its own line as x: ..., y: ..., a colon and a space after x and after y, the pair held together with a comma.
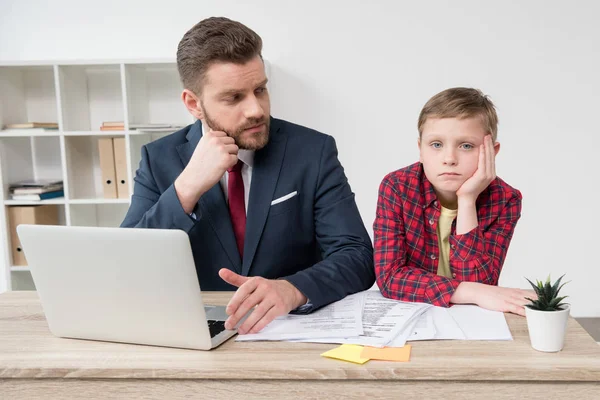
x: 547, y: 329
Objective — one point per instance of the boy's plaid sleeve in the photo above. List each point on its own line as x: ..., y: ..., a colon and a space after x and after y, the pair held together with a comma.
x: 478, y: 256
x: 397, y: 278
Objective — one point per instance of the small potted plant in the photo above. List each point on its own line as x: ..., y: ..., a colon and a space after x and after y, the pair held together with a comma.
x: 547, y: 316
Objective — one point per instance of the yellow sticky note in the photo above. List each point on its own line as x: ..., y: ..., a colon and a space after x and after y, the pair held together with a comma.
x: 347, y: 352
x: 387, y: 353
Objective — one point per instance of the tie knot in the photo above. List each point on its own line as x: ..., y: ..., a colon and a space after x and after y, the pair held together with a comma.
x: 237, y: 167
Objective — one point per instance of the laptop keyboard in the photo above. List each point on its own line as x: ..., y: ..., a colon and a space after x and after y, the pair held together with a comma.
x: 215, y: 327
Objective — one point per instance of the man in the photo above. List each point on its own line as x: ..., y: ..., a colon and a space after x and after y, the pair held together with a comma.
x: 265, y: 202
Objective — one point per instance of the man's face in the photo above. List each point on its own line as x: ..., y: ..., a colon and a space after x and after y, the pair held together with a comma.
x: 235, y: 100
x: 449, y: 149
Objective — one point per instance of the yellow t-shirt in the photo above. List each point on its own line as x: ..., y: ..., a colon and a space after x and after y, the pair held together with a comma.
x: 444, y: 227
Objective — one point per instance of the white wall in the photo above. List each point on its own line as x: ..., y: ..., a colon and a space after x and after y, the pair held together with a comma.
x: 361, y: 71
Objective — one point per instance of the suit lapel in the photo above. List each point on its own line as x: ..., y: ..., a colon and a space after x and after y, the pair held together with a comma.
x: 265, y: 173
x: 212, y: 203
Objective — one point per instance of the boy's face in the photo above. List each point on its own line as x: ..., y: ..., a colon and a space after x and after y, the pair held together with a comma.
x: 235, y: 100
x: 449, y: 151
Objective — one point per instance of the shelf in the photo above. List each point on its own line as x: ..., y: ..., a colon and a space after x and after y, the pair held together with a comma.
x: 83, y: 168
x: 79, y: 96
x: 90, y: 95
x: 63, y: 201
x: 97, y: 133
x: 56, y: 133
x: 27, y: 93
x: 99, y: 201
x: 30, y: 157
x: 140, y: 132
x: 45, y: 63
x: 154, y: 95
x: 60, y: 200
x: 25, y: 133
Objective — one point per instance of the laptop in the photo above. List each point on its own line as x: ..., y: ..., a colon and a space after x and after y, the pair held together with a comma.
x: 121, y: 285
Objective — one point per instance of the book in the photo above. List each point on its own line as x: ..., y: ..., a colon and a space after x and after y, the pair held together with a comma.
x: 106, y: 157
x: 158, y: 130
x: 112, y: 126
x: 151, y: 126
x: 120, y: 158
x: 41, y: 196
x: 36, y: 190
x: 156, y: 127
x: 113, y: 123
x: 28, y: 125
x: 35, y: 183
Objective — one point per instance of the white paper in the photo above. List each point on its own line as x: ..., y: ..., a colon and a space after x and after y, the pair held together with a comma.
x: 416, y: 322
x: 480, y: 324
x: 438, y: 324
x: 461, y: 322
x: 424, y: 329
x: 342, y: 318
x: 383, y: 319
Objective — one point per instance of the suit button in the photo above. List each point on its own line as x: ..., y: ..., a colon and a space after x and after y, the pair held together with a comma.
x: 431, y: 221
x: 454, y: 275
x: 452, y: 246
x: 433, y: 257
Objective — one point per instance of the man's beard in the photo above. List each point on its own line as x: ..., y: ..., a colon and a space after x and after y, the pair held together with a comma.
x: 256, y: 142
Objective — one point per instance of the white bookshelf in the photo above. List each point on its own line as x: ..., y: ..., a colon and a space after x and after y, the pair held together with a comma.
x: 79, y: 96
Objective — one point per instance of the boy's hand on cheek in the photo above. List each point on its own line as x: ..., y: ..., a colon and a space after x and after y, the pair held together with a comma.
x: 485, y: 174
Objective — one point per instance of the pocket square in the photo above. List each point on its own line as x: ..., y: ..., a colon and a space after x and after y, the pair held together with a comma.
x: 284, y: 198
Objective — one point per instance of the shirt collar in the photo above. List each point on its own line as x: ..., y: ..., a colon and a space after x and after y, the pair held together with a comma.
x: 428, y: 192
x: 247, y: 157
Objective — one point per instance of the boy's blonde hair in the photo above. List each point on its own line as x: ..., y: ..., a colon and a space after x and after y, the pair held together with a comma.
x: 461, y: 103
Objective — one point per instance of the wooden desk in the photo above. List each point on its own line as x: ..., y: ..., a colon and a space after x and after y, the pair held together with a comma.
x: 35, y: 364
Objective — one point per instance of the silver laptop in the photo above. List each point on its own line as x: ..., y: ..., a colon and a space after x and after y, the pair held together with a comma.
x: 121, y: 285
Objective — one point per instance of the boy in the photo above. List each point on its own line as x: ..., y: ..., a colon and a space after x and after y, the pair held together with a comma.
x: 443, y: 225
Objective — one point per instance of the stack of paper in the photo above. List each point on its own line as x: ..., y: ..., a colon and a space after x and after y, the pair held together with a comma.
x: 41, y: 189
x: 32, y: 125
x: 29, y: 127
x: 369, y: 319
x: 385, y: 321
x: 156, y: 127
x: 460, y: 322
x: 365, y: 318
x: 342, y: 318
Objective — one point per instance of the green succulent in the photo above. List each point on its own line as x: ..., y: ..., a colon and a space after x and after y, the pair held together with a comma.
x: 548, y: 299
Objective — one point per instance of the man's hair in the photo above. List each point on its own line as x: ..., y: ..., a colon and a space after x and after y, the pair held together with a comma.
x: 213, y: 40
x: 461, y: 103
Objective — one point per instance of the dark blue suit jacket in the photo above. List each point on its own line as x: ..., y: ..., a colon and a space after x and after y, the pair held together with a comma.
x: 316, y: 239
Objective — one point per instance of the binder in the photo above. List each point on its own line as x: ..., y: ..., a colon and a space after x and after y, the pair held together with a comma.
x: 107, y: 167
x: 40, y: 215
x: 121, y: 168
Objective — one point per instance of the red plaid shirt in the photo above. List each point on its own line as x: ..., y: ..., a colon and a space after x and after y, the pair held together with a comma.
x: 406, y: 243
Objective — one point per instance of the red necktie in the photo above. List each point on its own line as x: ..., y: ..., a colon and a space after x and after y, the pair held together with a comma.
x: 237, y: 207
